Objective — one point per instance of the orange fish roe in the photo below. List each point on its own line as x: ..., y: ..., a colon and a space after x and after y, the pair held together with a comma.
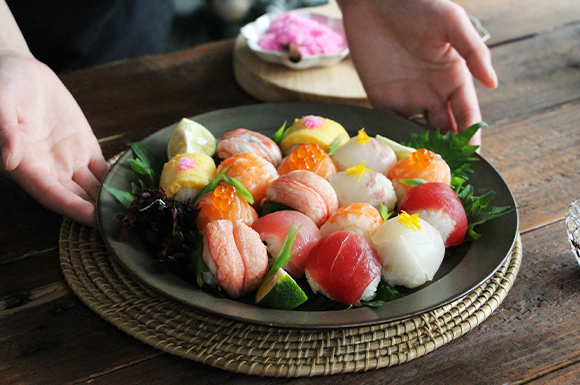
x: 224, y: 197
x: 309, y: 157
x: 306, y: 156
x: 223, y: 203
x: 421, y: 158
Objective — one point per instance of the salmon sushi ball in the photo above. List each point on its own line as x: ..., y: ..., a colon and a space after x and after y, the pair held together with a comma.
x: 252, y: 171
x: 421, y: 164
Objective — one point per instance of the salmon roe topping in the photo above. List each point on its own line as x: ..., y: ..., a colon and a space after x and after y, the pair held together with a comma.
x: 307, y: 156
x: 224, y: 198
x: 421, y: 158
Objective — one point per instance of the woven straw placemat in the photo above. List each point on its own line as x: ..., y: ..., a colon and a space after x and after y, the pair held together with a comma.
x: 102, y: 284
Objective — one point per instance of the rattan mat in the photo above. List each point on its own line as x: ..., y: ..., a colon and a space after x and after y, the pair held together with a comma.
x: 103, y: 285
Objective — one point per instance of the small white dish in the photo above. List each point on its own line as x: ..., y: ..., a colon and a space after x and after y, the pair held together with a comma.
x: 253, y: 31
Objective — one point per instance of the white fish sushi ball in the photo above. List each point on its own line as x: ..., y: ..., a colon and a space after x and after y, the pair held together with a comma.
x: 377, y: 155
x: 409, y: 257
x: 371, y: 188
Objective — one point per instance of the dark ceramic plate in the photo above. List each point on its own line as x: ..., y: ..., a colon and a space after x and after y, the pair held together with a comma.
x: 457, y: 276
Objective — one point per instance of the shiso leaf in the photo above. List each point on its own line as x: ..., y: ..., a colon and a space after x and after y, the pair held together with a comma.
x: 126, y: 198
x: 453, y: 148
x: 385, y: 293
x: 285, y: 251
x: 146, y: 155
x: 146, y: 164
x: 280, y: 134
x: 478, y: 211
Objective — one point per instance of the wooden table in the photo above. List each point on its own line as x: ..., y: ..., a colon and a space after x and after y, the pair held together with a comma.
x: 47, y: 336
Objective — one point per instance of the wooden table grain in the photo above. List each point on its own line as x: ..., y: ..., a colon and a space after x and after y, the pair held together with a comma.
x: 47, y: 336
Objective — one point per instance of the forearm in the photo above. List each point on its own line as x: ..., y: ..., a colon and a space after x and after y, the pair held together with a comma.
x: 11, y: 38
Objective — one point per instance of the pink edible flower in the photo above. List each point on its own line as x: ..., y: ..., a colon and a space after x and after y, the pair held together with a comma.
x: 186, y: 163
x: 311, y: 37
x: 312, y: 121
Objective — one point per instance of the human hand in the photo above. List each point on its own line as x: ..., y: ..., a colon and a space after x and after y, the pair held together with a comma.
x: 417, y: 58
x: 46, y: 143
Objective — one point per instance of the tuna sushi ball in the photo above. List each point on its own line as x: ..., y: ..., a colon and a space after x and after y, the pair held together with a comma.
x: 410, y: 250
x: 438, y: 204
x: 273, y: 228
x: 377, y: 155
x: 344, y: 267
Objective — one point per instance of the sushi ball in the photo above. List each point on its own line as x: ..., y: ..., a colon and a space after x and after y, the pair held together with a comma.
x: 184, y: 175
x: 421, y: 164
x: 235, y: 256
x: 312, y: 129
x: 438, y: 204
x: 241, y: 140
x: 410, y: 250
x: 252, y: 171
x: 377, y: 155
x: 360, y: 218
x: 223, y: 203
x: 308, y: 157
x: 344, y: 267
x: 306, y: 192
x: 273, y: 228
x: 365, y: 187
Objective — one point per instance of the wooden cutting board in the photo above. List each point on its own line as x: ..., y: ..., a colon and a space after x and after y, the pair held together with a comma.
x: 277, y: 83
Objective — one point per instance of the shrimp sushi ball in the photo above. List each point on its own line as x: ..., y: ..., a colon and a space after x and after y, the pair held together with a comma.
x: 360, y: 184
x: 360, y: 218
x: 235, y: 256
x: 344, y: 267
x: 421, y: 164
x: 306, y: 192
x: 308, y: 157
x: 184, y: 175
x: 438, y: 204
x: 273, y: 228
x: 223, y: 203
x: 242, y: 140
x: 410, y: 250
x: 313, y: 129
x: 377, y: 155
x: 252, y: 171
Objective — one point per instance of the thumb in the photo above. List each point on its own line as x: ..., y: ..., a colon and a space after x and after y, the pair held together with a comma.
x: 466, y: 40
x: 11, y: 144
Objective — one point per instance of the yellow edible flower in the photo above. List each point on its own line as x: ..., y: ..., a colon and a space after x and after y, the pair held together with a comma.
x: 362, y: 137
x: 410, y: 221
x: 357, y: 170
